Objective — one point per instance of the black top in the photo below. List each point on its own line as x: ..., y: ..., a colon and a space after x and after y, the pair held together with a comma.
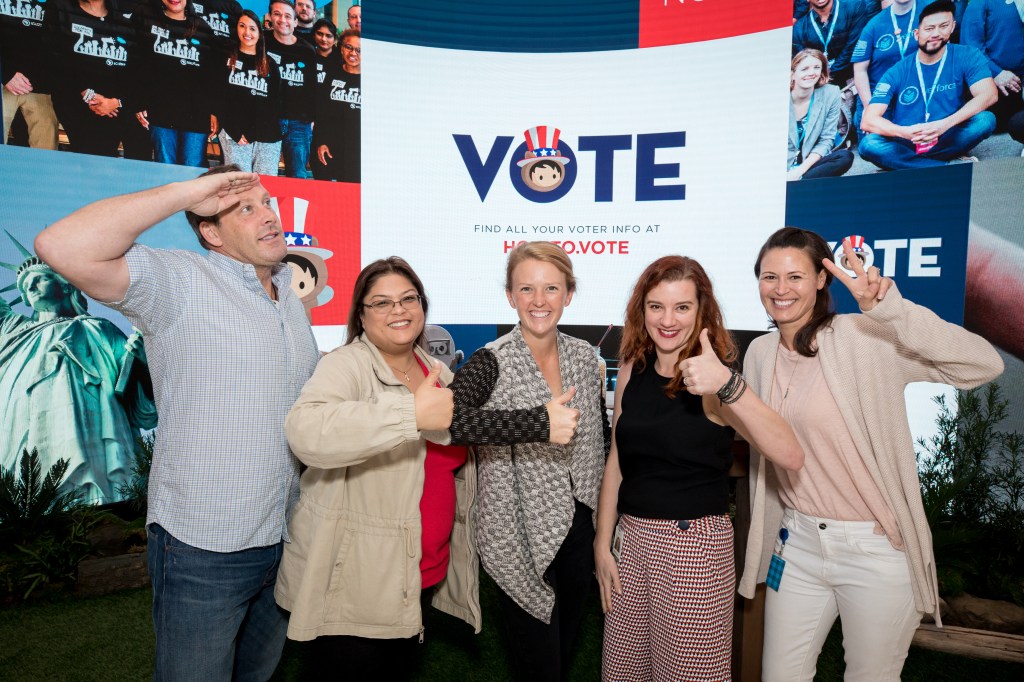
x: 24, y: 47
x: 471, y: 388
x: 298, y: 76
x: 337, y: 112
x: 248, y: 104
x: 303, y: 33
x: 674, y: 460
x: 175, y: 67
x: 92, y: 52
x: 221, y: 16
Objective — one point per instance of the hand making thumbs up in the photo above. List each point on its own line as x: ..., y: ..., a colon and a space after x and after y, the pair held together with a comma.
x: 704, y: 374
x: 434, y: 406
x: 562, y: 419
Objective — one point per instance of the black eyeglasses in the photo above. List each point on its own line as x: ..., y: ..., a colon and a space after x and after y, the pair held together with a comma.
x: 357, y: 50
x: 386, y: 305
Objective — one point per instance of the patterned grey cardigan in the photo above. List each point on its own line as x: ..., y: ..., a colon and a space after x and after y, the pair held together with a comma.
x: 526, y: 491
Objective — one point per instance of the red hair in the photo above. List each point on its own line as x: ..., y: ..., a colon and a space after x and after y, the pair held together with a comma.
x: 637, y: 344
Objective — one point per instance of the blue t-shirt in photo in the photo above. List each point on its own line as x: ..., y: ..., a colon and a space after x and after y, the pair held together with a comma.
x: 900, y: 88
x: 995, y: 27
x: 879, y: 44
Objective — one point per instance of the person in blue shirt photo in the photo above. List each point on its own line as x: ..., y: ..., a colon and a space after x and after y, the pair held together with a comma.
x: 996, y: 27
x: 886, y: 39
x: 930, y: 108
x: 832, y: 26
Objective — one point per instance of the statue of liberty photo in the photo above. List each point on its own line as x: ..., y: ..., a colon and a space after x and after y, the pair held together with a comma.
x: 72, y: 385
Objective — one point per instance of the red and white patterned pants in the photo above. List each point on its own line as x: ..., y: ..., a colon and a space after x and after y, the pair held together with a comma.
x: 673, y: 620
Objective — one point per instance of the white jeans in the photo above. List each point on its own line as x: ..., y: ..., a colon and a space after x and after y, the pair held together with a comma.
x: 839, y: 568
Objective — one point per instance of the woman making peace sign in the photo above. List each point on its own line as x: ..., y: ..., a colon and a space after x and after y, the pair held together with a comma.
x: 849, y: 526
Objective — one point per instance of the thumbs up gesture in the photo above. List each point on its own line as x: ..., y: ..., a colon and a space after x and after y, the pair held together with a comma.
x: 562, y: 419
x: 434, y: 406
x: 704, y: 374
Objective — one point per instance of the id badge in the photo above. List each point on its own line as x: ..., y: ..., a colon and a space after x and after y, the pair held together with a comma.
x: 778, y: 564
x: 925, y: 147
x: 775, y: 569
x: 617, y: 542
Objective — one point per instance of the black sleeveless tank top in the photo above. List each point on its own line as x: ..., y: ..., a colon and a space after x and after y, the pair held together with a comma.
x: 674, y: 460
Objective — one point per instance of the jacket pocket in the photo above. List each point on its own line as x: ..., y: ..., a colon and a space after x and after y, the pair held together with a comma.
x: 369, y: 583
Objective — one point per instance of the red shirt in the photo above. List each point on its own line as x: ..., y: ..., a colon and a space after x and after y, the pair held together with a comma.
x: 437, y: 506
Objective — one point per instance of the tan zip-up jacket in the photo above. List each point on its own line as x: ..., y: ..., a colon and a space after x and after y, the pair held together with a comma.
x: 353, y: 564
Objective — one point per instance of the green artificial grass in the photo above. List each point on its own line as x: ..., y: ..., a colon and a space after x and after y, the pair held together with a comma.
x: 110, y: 638
x: 107, y: 638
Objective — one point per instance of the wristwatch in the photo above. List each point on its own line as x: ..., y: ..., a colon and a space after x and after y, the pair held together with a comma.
x: 89, y: 95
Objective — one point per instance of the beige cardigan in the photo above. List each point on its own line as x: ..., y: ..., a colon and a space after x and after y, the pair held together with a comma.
x: 867, y: 360
x: 353, y: 564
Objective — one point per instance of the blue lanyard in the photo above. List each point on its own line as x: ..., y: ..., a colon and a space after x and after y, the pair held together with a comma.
x: 902, y: 44
x: 831, y: 29
x: 920, y: 79
x: 802, y: 132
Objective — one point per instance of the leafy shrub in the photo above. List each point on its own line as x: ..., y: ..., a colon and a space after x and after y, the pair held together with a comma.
x: 135, y: 490
x: 972, y: 485
x: 43, y: 533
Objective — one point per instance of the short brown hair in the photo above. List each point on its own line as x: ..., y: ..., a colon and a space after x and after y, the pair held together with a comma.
x: 195, y: 220
x: 545, y: 252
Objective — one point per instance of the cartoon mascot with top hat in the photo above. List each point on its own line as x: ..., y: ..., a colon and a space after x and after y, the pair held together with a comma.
x: 543, y: 166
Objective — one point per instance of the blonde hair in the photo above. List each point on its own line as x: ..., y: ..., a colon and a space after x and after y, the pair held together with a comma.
x: 545, y: 252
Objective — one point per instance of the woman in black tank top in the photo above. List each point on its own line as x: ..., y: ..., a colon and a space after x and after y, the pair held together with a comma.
x: 667, y: 577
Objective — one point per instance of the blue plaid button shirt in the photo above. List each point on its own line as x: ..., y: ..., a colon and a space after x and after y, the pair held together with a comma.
x: 227, y: 364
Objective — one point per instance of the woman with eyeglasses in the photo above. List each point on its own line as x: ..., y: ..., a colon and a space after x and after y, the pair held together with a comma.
x: 338, y: 106
x: 537, y: 501
x: 381, y: 526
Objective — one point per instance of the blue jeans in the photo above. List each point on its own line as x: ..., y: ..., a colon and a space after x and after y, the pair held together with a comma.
x: 895, y: 153
x: 182, y: 147
x: 296, y: 138
x: 214, y: 612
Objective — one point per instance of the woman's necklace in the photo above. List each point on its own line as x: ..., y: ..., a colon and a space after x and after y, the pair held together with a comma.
x: 794, y: 363
x: 408, y: 379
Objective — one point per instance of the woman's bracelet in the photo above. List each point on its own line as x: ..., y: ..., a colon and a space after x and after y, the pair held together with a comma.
x: 733, y: 389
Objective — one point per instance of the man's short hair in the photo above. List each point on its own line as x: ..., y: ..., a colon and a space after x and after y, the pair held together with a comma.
x: 195, y: 220
x: 553, y: 165
x: 290, y: 3
x: 303, y: 263
x: 937, y: 7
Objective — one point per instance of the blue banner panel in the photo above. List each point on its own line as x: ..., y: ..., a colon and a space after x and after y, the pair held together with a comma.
x: 914, y: 224
x: 524, y: 26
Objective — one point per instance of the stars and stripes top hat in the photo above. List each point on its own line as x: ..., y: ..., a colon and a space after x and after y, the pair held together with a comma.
x: 541, y: 145
x: 857, y: 242
x: 298, y: 239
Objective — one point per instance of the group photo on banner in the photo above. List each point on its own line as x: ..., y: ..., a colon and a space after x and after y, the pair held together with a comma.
x: 187, y: 83
x: 561, y: 376
x: 904, y: 84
